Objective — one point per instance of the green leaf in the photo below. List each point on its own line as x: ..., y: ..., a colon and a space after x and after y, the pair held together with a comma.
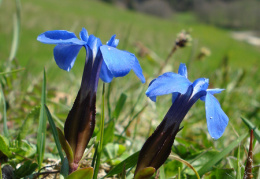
x: 13, y: 71
x: 24, y: 149
x: 64, y: 171
x: 85, y: 173
x: 222, y: 173
x: 6, y: 133
x: 123, y: 175
x: 119, y: 105
x: 238, y: 174
x: 55, y: 133
x: 145, y: 173
x: 162, y: 173
x: 109, y: 132
x: 250, y: 125
x: 66, y: 146
x: 41, y: 134
x: 16, y: 31
x: 26, y: 169
x: 102, y: 123
x: 215, y: 159
x: 112, y: 151
x: 4, y: 146
x: 28, y: 122
x: 128, y: 163
x: 0, y: 171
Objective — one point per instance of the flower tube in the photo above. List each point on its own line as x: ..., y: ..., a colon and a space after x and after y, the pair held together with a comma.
x: 157, y: 148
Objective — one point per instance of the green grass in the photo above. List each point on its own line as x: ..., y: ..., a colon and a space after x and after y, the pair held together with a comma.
x: 105, y: 20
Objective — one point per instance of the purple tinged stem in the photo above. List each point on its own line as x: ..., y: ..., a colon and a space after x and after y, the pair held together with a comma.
x: 80, y: 123
x: 157, y: 148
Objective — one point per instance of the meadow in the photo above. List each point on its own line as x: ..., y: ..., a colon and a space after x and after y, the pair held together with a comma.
x: 230, y: 64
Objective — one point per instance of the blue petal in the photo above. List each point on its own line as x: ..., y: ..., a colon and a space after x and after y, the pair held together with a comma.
x: 217, y: 120
x: 105, y: 74
x: 200, y: 84
x: 94, y: 43
x: 83, y: 35
x: 65, y: 55
x: 59, y: 37
x: 118, y: 62
x: 212, y: 91
x: 152, y: 82
x: 138, y: 70
x: 168, y: 83
x: 113, y: 42
x: 153, y: 98
x: 183, y: 70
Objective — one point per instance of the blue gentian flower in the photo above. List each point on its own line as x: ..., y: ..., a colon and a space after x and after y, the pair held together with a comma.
x: 117, y: 63
x: 102, y: 61
x: 176, y: 84
x: 157, y: 147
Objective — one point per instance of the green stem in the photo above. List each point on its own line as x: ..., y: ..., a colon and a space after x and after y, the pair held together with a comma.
x: 6, y: 133
x: 100, y: 148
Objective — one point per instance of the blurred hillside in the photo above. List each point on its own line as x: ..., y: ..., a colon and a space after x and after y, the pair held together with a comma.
x: 233, y: 14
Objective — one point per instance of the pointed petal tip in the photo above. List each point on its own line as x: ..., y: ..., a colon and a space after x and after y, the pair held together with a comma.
x: 217, y: 120
x: 183, y: 70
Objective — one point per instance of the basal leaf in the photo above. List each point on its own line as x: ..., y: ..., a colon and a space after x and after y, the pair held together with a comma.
x: 66, y: 146
x: 85, y: 173
x: 4, y: 146
x: 145, y: 173
x: 54, y: 133
x: 41, y: 134
x: 250, y: 125
x: 26, y: 169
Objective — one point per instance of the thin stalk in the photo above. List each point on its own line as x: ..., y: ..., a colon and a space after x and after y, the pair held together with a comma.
x: 100, y: 149
x: 238, y: 163
x: 179, y: 173
x: 6, y: 133
x: 175, y: 47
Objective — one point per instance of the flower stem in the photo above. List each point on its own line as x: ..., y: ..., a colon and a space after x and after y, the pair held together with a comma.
x: 100, y: 147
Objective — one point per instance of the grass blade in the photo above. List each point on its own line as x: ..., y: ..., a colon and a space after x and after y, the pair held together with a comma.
x: 238, y: 164
x: 204, y: 169
x: 119, y: 105
x: 6, y: 133
x: 100, y: 148
x: 41, y: 134
x: 16, y: 31
x: 0, y: 165
x: 250, y: 125
x: 13, y: 71
x: 186, y: 163
x: 162, y: 173
x: 55, y: 133
x: 127, y: 163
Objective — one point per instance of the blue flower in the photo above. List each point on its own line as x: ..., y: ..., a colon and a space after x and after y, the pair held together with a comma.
x: 117, y: 63
x: 102, y: 61
x: 178, y: 85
